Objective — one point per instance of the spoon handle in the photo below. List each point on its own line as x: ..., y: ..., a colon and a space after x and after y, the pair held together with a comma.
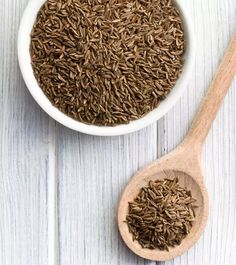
x: 213, y: 99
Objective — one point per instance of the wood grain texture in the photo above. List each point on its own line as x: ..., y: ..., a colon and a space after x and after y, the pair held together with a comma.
x: 90, y: 190
x: 23, y: 155
x: 214, y: 98
x: 214, y: 27
x: 93, y: 171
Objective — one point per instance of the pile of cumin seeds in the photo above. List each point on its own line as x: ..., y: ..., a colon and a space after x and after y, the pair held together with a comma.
x: 107, y: 62
x: 162, y: 214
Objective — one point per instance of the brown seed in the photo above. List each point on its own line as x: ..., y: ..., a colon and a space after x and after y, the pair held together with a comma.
x: 157, y: 219
x: 112, y: 55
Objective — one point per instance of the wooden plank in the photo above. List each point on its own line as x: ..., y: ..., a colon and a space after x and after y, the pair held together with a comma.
x: 214, y: 23
x: 23, y: 155
x: 92, y: 174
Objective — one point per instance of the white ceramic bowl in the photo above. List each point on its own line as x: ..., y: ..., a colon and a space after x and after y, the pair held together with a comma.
x: 26, y: 25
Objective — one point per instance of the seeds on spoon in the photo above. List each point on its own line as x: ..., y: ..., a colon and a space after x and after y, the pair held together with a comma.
x: 162, y: 214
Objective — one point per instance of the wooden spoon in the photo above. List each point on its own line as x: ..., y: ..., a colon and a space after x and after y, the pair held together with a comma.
x: 184, y: 162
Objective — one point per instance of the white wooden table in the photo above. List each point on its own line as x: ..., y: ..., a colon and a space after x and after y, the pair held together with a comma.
x: 92, y: 171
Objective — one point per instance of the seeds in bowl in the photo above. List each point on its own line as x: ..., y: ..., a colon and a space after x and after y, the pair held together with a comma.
x: 162, y: 214
x: 107, y: 62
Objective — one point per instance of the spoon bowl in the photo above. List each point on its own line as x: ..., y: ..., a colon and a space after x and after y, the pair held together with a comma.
x: 185, y: 163
x: 159, y: 170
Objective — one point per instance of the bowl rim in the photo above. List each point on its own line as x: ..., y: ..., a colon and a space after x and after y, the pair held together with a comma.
x: 24, y: 59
